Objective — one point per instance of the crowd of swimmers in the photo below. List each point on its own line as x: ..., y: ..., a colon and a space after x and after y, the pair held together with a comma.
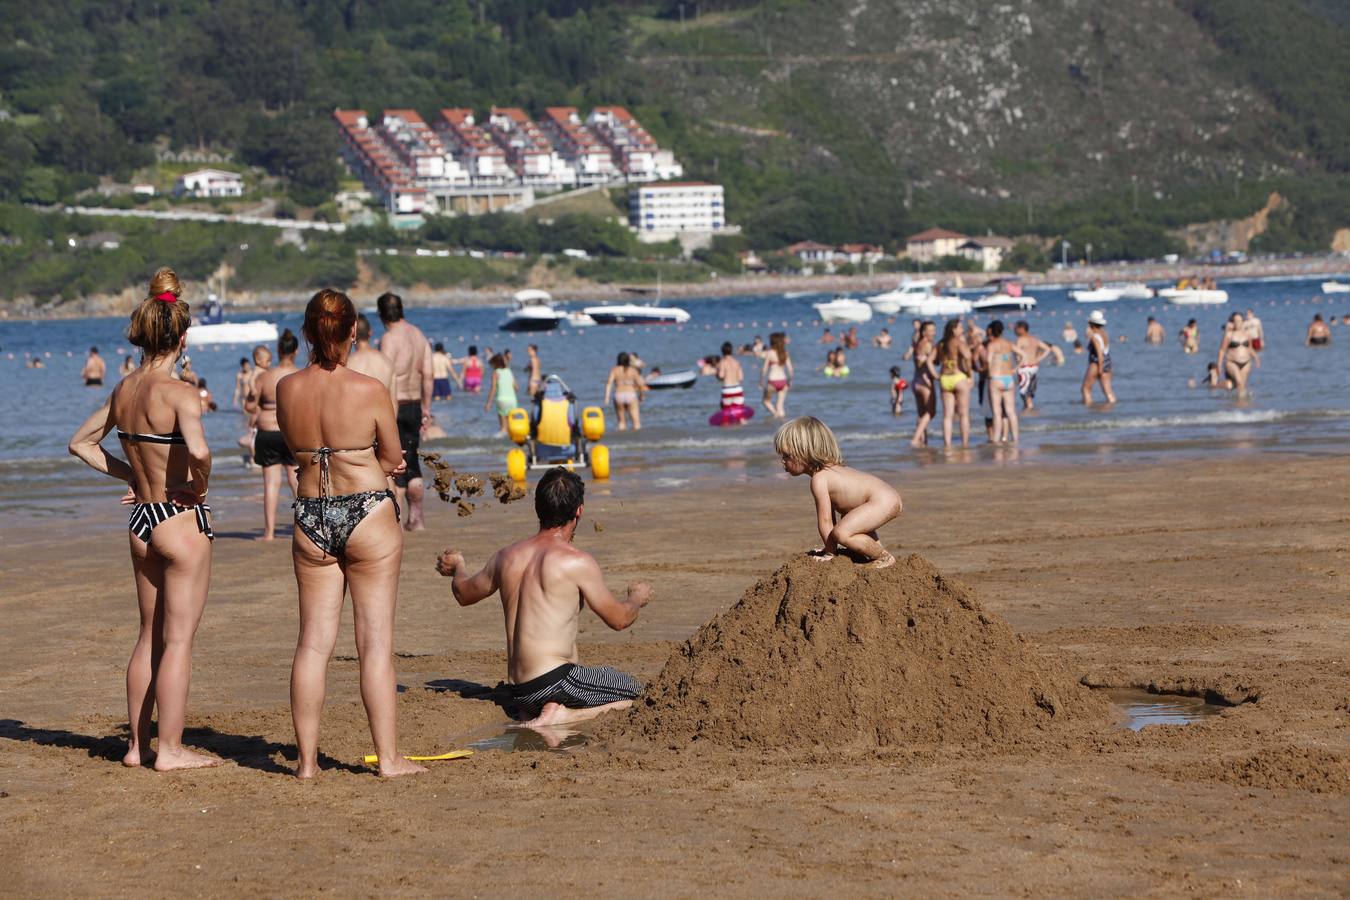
x: 342, y: 424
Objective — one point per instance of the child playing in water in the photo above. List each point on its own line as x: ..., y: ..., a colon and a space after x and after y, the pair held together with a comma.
x: 863, y: 502
x: 898, y: 386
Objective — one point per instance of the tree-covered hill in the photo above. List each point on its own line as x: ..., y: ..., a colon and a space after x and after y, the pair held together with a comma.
x: 828, y: 119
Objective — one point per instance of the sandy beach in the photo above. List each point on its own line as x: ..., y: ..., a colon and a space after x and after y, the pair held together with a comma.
x: 1226, y: 579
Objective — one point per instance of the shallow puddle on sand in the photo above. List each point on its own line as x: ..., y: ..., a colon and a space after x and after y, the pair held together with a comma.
x: 514, y: 738
x: 1140, y: 708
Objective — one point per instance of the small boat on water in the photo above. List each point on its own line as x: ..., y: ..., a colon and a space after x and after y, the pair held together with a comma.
x: 532, y: 310
x: 667, y: 381
x: 1194, y: 296
x: 843, y: 309
x: 211, y: 328
x: 1335, y: 287
x: 1007, y: 295
x: 652, y: 313
x: 1109, y: 293
x: 909, y: 294
x: 942, y: 305
x: 579, y: 320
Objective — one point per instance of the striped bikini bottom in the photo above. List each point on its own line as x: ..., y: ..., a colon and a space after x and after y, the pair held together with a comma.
x: 145, y: 516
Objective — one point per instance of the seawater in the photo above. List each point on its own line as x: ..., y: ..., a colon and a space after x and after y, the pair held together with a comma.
x: 1298, y: 401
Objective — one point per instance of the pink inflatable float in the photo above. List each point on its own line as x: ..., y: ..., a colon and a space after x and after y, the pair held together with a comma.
x: 731, y: 415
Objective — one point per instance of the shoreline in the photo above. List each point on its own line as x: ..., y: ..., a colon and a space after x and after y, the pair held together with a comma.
x: 1330, y: 265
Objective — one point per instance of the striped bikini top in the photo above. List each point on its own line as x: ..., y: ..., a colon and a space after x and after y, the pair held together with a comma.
x: 173, y: 437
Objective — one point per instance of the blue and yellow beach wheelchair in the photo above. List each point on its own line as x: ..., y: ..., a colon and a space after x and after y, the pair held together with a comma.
x: 554, y: 435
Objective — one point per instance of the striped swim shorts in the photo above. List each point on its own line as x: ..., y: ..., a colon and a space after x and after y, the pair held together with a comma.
x: 574, y: 686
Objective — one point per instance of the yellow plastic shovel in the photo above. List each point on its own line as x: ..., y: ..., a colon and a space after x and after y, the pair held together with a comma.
x: 372, y: 759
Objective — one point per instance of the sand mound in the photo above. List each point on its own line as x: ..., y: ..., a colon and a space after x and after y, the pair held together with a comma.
x: 841, y: 655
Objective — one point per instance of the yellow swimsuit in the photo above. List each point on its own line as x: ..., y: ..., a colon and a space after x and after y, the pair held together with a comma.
x: 951, y: 375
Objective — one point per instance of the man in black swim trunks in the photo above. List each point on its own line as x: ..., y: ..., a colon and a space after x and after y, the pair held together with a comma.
x: 410, y: 352
x: 94, y: 369
x: 540, y: 579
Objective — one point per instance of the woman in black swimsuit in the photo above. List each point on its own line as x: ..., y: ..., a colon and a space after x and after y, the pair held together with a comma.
x: 159, y: 421
x: 343, y: 428
x: 1236, y: 357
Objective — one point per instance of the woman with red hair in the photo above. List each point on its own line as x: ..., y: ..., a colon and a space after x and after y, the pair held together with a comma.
x: 341, y: 425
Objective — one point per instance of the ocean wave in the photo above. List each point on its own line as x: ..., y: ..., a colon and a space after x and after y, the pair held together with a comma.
x: 1218, y: 417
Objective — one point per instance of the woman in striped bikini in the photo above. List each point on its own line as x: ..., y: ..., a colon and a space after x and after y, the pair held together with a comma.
x: 159, y: 422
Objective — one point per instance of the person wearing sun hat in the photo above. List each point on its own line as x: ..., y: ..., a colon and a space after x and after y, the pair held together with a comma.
x: 1099, y: 358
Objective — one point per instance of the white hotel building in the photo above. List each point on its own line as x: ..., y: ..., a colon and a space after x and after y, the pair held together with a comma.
x: 659, y: 212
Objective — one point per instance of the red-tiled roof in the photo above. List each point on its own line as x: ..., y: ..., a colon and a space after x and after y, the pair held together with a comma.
x: 935, y: 234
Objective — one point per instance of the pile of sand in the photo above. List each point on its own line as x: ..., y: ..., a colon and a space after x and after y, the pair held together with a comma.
x: 841, y: 655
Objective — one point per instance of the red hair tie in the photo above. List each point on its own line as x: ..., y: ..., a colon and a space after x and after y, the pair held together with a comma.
x: 166, y: 297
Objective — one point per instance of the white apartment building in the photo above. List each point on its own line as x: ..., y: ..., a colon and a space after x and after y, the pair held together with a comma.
x: 656, y: 209
x: 209, y: 183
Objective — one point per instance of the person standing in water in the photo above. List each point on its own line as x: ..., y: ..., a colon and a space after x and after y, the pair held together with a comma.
x: 730, y: 373
x: 626, y: 385
x: 1004, y: 361
x: 954, y: 379
x: 534, y: 369
x: 270, y: 452
x: 1034, y: 351
x: 1319, y: 335
x: 1190, y: 337
x: 1255, y: 331
x: 925, y: 376
x: 473, y: 371
x: 168, y: 467
x: 410, y: 352
x: 94, y: 369
x: 1099, y: 359
x: 503, y: 390
x: 1237, y: 358
x: 366, y: 360
x: 343, y: 427
x: 242, y: 379
x: 1153, y: 332
x: 442, y: 371
x: 776, y: 375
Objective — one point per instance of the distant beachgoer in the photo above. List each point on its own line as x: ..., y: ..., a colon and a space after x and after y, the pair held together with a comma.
x: 1190, y: 337
x: 473, y: 371
x: 410, y: 353
x: 979, y: 362
x: 925, y: 375
x: 442, y: 371
x: 1078, y: 347
x: 862, y: 502
x: 366, y: 360
x: 1069, y: 334
x: 627, y: 386
x: 544, y: 582
x: 1319, y: 335
x: 242, y: 379
x: 502, y: 389
x: 1153, y: 332
x: 757, y: 347
x: 208, y: 402
x: 270, y: 451
x: 34, y: 362
x: 954, y: 358
x: 850, y: 338
x: 730, y: 373
x: 343, y: 427
x: 1255, y: 330
x: 534, y: 370
x: 262, y: 360
x: 159, y: 422
x: 1099, y: 359
x: 827, y: 338
x: 898, y: 388
x: 1004, y: 360
x: 882, y: 340
x: 913, y: 339
x: 1213, y: 380
x: 1033, y: 351
x: 94, y: 369
x: 841, y: 369
x: 775, y: 376
x: 1236, y: 356
x: 127, y: 367
x: 185, y: 370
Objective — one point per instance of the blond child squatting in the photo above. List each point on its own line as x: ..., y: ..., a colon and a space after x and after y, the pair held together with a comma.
x: 863, y: 502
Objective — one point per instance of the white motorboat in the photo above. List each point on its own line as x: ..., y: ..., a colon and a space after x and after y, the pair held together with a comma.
x: 579, y: 320
x: 843, y: 309
x: 1193, y: 296
x: 910, y: 294
x: 942, y: 305
x: 532, y: 310
x: 1335, y: 287
x: 1007, y: 295
x: 1109, y: 293
x: 211, y: 328
x: 636, y: 314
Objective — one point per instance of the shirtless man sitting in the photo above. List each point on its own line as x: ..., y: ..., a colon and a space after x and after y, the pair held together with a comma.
x: 544, y: 583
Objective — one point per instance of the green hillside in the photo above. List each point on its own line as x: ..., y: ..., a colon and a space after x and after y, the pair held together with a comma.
x: 827, y: 119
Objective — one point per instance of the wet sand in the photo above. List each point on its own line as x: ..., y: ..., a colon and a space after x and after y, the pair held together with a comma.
x: 1230, y: 580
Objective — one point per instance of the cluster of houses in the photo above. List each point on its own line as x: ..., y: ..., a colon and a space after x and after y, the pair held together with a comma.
x: 926, y: 247
x: 462, y: 164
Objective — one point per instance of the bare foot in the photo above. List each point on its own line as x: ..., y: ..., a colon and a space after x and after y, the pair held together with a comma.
x: 182, y: 758
x: 884, y: 562
x: 133, y: 758
x: 400, y: 766
x: 265, y: 537
x: 549, y: 715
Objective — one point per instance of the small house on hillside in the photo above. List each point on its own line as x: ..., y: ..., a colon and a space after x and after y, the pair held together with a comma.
x: 861, y: 254
x: 933, y: 244
x: 209, y: 183
x: 987, y: 251
x: 811, y: 253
